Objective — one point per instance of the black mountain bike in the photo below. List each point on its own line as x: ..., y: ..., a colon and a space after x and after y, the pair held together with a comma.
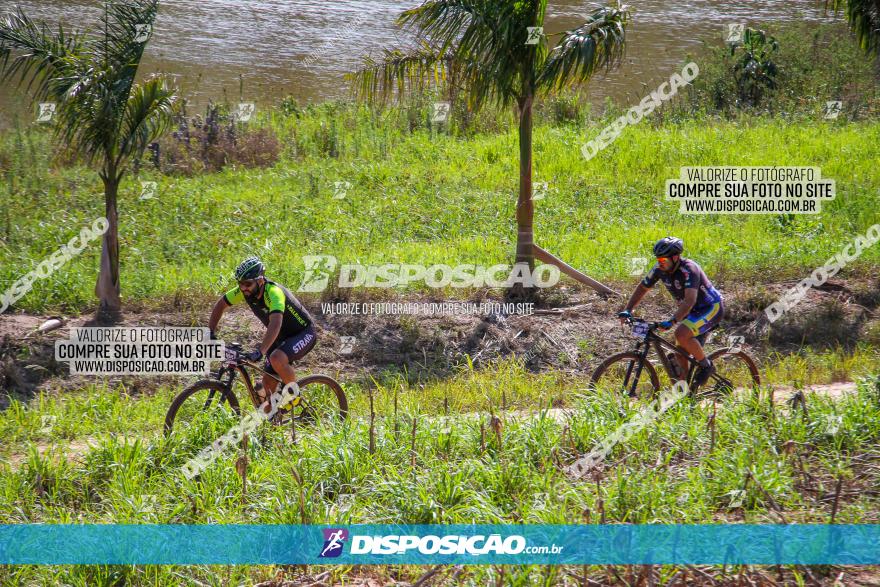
x: 214, y: 403
x: 632, y: 373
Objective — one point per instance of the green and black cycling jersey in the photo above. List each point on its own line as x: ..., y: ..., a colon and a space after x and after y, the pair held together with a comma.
x: 275, y: 298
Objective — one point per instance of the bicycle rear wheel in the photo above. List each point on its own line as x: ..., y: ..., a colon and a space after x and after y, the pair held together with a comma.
x: 205, y: 406
x: 617, y: 373
x: 734, y: 371
x: 323, y: 402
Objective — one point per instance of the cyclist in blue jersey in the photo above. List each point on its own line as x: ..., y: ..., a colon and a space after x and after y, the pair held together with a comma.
x: 700, y: 305
x: 290, y: 333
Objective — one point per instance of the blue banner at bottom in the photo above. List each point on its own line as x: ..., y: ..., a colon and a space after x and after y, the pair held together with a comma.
x: 49, y: 544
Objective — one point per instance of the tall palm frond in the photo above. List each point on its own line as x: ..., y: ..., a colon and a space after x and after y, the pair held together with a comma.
x: 864, y: 20
x: 97, y: 105
x: 43, y: 58
x: 599, y: 43
x: 148, y: 115
x: 400, y: 71
x: 102, y: 112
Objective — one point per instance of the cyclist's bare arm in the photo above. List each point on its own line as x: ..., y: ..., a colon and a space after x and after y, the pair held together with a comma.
x: 272, y: 330
x: 275, y: 320
x: 217, y: 313
x: 636, y: 297
x: 686, y: 305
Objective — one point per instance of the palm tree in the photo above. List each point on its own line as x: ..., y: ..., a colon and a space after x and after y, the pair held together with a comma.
x: 864, y: 20
x: 101, y: 112
x: 484, y: 42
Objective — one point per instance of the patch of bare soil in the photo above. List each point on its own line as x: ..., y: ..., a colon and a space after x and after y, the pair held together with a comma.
x: 571, y: 330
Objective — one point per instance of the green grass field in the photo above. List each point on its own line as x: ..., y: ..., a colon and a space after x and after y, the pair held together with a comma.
x: 96, y: 453
x: 432, y: 198
x: 104, y: 460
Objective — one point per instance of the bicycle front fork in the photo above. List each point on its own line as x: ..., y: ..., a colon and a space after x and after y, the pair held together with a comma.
x: 639, y: 365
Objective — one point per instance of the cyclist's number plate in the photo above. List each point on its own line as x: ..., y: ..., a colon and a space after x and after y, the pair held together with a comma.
x: 640, y: 329
x: 230, y: 354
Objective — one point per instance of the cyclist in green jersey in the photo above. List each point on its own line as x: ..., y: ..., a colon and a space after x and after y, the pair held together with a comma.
x: 290, y: 332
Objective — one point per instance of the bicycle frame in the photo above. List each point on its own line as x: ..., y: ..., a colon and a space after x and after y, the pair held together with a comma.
x: 288, y: 406
x: 235, y: 365
x: 658, y: 343
x: 240, y: 368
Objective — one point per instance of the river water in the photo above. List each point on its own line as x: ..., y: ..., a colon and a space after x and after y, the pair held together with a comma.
x: 262, y: 50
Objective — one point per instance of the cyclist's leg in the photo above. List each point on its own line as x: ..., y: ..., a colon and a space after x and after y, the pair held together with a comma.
x: 691, y: 332
x: 680, y: 361
x: 269, y: 383
x: 684, y: 339
x: 291, y: 349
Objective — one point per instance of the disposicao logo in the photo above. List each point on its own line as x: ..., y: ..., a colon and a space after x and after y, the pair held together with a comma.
x: 491, y: 544
x: 334, y: 539
x: 319, y: 268
x: 446, y: 545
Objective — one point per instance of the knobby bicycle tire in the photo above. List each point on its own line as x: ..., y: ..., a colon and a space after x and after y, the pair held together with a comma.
x: 330, y: 383
x: 202, y: 385
x: 627, y: 356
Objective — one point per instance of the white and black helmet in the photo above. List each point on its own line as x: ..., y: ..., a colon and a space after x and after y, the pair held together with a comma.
x: 668, y: 246
x: 250, y: 268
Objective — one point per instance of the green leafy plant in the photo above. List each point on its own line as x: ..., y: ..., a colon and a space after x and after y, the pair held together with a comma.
x: 754, y: 71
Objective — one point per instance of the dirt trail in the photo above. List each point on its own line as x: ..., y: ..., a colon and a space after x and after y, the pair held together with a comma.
x: 76, y: 448
x: 71, y: 450
x: 570, y: 331
x: 781, y: 395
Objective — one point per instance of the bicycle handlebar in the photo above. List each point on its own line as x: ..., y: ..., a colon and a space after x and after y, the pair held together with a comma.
x: 633, y: 320
x: 237, y: 357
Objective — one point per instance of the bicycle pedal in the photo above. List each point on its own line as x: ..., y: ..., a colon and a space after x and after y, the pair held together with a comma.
x: 700, y: 393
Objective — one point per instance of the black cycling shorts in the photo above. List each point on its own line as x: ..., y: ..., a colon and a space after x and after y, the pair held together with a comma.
x: 295, y: 347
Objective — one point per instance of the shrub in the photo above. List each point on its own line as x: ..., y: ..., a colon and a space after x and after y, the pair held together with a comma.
x: 754, y: 71
x: 210, y: 144
x: 813, y: 64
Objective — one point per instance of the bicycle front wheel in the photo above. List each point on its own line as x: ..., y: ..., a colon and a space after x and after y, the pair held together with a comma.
x: 620, y: 373
x: 204, y: 408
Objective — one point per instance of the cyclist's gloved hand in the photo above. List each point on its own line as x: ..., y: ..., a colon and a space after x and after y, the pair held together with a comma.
x: 213, y: 335
x: 624, y: 315
x: 667, y: 324
x: 254, y: 356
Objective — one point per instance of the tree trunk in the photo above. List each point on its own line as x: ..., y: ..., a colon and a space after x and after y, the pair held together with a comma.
x: 545, y: 257
x: 107, y: 286
x: 524, y: 205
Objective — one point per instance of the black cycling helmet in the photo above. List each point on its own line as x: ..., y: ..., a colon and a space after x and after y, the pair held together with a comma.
x: 250, y: 268
x: 668, y: 246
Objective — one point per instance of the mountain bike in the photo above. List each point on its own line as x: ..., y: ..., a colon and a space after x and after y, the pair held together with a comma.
x: 633, y: 373
x: 214, y: 403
